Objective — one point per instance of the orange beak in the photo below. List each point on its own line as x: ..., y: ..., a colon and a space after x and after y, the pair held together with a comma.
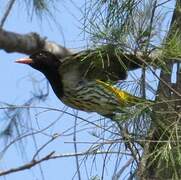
x: 24, y: 60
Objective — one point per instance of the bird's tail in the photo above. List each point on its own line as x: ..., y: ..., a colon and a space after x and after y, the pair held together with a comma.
x: 128, y: 103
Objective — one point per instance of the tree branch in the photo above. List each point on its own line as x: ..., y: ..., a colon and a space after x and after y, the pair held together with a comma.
x: 29, y: 43
x: 26, y: 166
x: 50, y: 156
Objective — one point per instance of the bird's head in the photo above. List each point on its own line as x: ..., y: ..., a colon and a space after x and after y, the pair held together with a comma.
x: 42, y: 60
x: 48, y: 64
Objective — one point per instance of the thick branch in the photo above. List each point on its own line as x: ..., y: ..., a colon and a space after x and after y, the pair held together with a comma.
x: 29, y: 43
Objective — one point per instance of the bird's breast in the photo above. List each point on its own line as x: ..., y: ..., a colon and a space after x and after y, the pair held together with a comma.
x: 90, y: 97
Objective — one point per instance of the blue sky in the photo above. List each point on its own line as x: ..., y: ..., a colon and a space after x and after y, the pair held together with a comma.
x: 17, y: 84
x: 16, y: 87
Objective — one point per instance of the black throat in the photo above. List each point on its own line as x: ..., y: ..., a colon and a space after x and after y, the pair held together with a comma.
x: 55, y: 80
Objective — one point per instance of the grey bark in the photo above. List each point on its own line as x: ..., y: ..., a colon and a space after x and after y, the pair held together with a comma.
x: 29, y: 43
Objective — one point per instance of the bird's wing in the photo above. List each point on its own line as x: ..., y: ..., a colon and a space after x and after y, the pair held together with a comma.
x: 104, y: 63
x: 95, y: 64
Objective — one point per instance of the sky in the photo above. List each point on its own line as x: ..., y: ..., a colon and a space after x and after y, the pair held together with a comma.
x: 17, y: 86
x: 19, y: 81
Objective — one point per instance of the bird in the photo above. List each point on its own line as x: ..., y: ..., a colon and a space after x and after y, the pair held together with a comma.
x: 85, y: 80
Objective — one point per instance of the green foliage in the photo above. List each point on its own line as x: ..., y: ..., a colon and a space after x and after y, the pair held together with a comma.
x: 172, y: 49
x: 130, y: 24
x: 167, y: 152
x: 40, y: 7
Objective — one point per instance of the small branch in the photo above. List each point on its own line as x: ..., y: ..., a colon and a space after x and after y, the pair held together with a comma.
x: 75, y: 146
x: 49, y: 157
x: 161, y: 4
x: 26, y: 166
x: 9, y: 106
x: 161, y: 79
x: 9, y: 7
x: 44, y: 145
x: 121, y: 171
x: 151, y: 25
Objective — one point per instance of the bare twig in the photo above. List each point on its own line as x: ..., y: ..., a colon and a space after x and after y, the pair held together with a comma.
x: 9, y: 7
x: 21, y: 137
x: 44, y: 145
x: 160, y: 79
x: 50, y: 156
x: 75, y: 146
x: 104, y: 162
x: 120, y: 172
x: 58, y: 110
x: 151, y: 25
x: 27, y: 165
x: 161, y: 4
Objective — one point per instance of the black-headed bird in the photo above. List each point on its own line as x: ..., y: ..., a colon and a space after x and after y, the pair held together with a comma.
x: 83, y: 80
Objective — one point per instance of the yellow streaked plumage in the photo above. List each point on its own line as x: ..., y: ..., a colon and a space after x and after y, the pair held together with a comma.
x: 124, y: 97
